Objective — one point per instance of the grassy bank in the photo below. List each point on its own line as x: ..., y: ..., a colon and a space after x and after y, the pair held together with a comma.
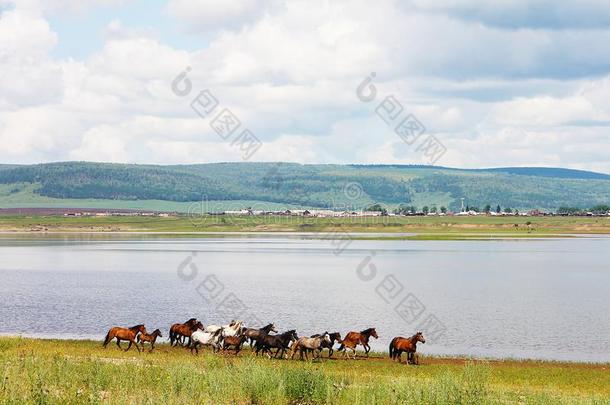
x: 424, y: 227
x: 51, y: 371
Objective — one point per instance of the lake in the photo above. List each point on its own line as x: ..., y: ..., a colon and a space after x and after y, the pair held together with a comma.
x: 545, y: 299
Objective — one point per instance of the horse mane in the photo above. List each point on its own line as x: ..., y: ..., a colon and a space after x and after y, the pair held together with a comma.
x: 136, y: 327
x: 288, y: 332
x: 367, y: 331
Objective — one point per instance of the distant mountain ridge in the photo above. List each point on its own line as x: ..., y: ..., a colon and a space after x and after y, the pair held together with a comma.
x: 330, y: 185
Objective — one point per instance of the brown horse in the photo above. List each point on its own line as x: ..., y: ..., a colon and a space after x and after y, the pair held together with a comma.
x: 353, y: 339
x: 179, y: 331
x: 233, y: 341
x: 400, y: 344
x: 128, y: 334
x: 150, y: 338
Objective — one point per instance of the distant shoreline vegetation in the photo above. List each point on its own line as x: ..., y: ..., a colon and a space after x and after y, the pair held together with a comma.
x: 284, y: 186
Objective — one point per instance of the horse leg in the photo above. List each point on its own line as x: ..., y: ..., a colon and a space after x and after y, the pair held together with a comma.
x: 118, y: 343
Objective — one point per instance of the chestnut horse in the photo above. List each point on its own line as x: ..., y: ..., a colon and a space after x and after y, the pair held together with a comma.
x: 128, y: 334
x: 400, y: 344
x: 233, y: 341
x: 353, y: 339
x: 179, y: 331
x: 150, y: 338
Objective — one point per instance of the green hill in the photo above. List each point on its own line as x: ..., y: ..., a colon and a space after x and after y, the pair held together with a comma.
x: 273, y: 185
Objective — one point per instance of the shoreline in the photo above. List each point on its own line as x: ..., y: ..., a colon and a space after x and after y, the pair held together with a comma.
x: 434, y: 357
x: 383, y: 228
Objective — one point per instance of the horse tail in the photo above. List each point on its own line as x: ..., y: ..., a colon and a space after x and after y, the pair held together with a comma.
x: 391, y: 349
x: 107, y: 338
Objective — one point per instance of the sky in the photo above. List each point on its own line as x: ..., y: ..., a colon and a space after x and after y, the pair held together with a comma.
x: 503, y: 83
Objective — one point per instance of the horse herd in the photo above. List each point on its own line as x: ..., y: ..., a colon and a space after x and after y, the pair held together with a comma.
x: 192, y: 334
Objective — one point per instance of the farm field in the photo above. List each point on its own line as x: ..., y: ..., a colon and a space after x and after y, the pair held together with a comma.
x: 58, y: 371
x: 419, y: 227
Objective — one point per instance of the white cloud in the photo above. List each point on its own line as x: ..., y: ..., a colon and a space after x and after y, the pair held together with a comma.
x: 494, y: 94
x: 209, y: 15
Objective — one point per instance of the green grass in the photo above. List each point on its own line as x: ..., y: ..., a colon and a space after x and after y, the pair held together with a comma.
x: 428, y: 228
x: 63, y: 372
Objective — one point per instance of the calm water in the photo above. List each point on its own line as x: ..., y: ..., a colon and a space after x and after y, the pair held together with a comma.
x: 530, y: 298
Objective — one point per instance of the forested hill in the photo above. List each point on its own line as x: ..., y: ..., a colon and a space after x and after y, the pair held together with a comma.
x: 305, y: 185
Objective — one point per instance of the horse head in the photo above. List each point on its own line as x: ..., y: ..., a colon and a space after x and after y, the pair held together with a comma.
x: 370, y: 332
x: 268, y: 328
x: 157, y: 333
x: 292, y: 334
x: 419, y: 337
x: 335, y: 336
x: 197, y: 325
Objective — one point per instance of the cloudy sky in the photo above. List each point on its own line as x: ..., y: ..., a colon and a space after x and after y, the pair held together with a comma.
x: 516, y: 83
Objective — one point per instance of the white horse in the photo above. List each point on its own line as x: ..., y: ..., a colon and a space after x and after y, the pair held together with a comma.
x: 201, y: 337
x: 234, y: 328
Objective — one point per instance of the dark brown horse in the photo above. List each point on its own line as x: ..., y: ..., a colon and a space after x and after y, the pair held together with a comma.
x: 233, y: 341
x: 178, y: 332
x: 280, y: 342
x: 353, y: 339
x: 150, y: 338
x: 128, y: 334
x: 333, y: 337
x: 400, y: 344
x: 254, y: 334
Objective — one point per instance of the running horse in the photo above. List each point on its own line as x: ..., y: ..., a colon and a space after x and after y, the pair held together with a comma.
x: 353, y: 339
x: 280, y: 342
x: 313, y: 344
x: 254, y: 334
x: 233, y: 341
x: 400, y: 344
x: 333, y: 337
x: 179, y: 331
x: 150, y: 338
x: 128, y: 334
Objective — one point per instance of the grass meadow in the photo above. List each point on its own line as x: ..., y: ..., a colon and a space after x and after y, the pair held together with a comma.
x: 74, y: 372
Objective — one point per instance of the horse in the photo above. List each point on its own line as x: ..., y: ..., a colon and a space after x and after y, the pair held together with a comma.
x: 150, y: 338
x: 234, y: 328
x: 235, y: 341
x: 353, y: 339
x: 333, y: 337
x: 201, y: 337
x: 280, y: 342
x: 314, y: 344
x: 254, y: 334
x: 187, y: 331
x: 400, y: 344
x: 124, y: 334
x: 179, y: 331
